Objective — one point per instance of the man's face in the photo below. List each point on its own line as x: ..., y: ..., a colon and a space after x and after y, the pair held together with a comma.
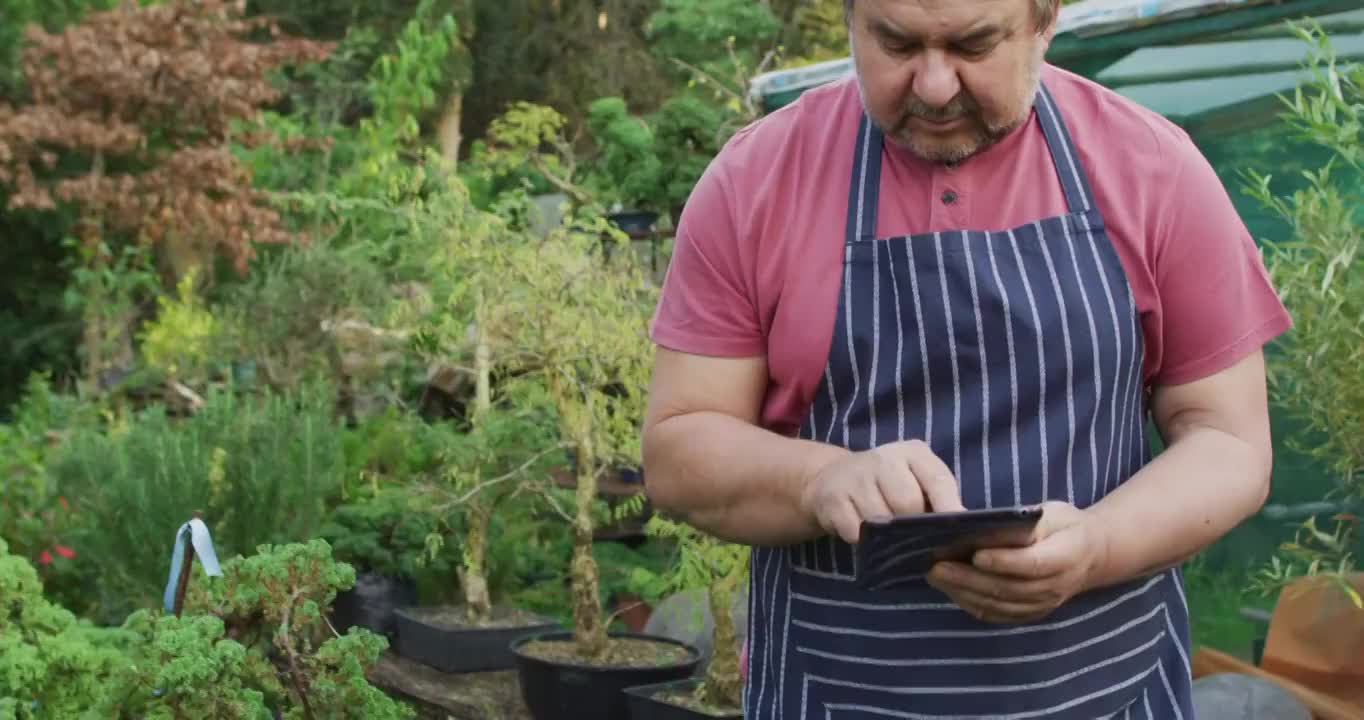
x: 947, y: 78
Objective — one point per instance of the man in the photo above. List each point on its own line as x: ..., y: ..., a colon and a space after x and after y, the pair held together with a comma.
x: 963, y: 278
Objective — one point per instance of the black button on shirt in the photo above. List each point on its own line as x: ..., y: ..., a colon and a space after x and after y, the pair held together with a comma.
x: 949, y: 197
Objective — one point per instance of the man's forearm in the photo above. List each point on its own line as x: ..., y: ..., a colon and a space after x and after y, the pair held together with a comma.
x: 729, y: 478
x: 1204, y: 484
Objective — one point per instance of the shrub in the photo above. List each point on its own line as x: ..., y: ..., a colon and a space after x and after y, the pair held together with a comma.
x: 260, y: 469
x: 1315, y: 371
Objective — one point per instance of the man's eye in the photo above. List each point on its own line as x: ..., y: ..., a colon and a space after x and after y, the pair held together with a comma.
x: 975, y: 49
x: 898, y: 48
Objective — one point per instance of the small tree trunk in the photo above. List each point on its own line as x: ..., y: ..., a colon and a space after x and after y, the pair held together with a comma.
x: 475, y: 581
x: 478, y: 604
x: 483, y: 362
x: 589, y: 627
x: 723, y: 686
x: 448, y: 131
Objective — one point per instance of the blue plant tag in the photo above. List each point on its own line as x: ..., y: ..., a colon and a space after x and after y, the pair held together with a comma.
x: 196, y: 533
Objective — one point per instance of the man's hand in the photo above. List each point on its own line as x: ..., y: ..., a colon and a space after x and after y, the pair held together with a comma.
x: 900, y: 478
x: 1059, y: 560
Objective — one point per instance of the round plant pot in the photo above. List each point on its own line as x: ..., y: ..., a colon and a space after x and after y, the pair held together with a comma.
x: 649, y: 702
x: 372, y: 603
x: 634, y: 223
x: 554, y: 689
x: 440, y: 638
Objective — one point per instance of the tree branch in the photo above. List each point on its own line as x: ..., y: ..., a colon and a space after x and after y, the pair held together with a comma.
x: 497, y: 480
x: 294, y: 674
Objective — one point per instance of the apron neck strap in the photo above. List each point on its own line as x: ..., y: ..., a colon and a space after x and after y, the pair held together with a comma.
x: 866, y: 182
x: 1064, y: 156
x: 864, y: 189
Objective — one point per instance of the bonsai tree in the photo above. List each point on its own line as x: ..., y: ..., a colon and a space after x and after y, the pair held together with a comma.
x: 485, y: 468
x: 254, y: 640
x: 720, y: 569
x: 506, y: 435
x: 581, y: 335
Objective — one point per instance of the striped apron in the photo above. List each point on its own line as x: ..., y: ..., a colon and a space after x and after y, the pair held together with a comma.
x: 1017, y: 356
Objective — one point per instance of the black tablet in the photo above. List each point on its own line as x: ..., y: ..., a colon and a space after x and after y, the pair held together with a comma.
x: 899, y: 550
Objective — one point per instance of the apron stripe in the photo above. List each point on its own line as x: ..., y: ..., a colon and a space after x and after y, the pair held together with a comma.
x: 1113, y: 429
x: 875, y: 342
x: 952, y: 353
x: 899, y: 350
x: 1013, y: 368
x: 927, y: 410
x: 838, y: 636
x: 852, y: 351
x: 1041, y: 358
x: 986, y: 480
x: 1072, y: 181
x: 1070, y: 366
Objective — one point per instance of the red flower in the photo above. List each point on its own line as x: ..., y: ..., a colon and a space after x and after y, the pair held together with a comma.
x: 65, y: 551
x: 44, y: 558
x: 65, y: 506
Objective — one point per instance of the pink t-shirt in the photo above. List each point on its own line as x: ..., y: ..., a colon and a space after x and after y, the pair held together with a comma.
x: 757, y: 259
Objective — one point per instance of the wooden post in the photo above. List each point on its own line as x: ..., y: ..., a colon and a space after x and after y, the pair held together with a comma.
x: 186, y: 567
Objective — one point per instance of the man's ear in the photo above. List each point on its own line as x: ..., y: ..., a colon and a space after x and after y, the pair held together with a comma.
x: 1049, y: 31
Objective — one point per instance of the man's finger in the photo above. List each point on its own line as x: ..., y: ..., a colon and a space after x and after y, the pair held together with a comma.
x: 868, y: 502
x: 995, y: 611
x: 845, y: 521
x: 1003, y: 588
x: 1043, y: 559
x: 939, y: 487
x: 899, y: 488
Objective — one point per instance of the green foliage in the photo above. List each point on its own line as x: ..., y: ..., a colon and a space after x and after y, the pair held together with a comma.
x: 255, y: 640
x: 688, y: 134
x: 179, y: 341
x: 718, y: 568
x: 696, y: 32
x: 18, y: 15
x: 703, y: 561
x: 627, y: 165
x: 387, y: 533
x: 1315, y: 371
x: 51, y: 664
x: 261, y: 469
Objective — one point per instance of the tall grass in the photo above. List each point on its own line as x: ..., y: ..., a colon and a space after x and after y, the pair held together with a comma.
x: 261, y: 469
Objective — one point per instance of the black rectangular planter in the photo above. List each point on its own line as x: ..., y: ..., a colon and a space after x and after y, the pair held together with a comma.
x: 464, y: 649
x: 644, y: 706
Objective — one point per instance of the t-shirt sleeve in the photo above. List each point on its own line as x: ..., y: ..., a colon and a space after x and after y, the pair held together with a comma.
x: 1217, y: 302
x: 708, y: 303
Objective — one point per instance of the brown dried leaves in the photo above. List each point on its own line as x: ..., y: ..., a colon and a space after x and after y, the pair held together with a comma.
x: 159, y: 88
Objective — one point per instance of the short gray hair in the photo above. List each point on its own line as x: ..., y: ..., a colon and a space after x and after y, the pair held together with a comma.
x: 1043, y: 10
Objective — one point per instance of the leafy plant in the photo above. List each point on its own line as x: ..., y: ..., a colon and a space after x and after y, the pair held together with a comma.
x: 149, y: 95
x: 626, y: 166
x: 180, y: 341
x: 581, y: 335
x: 387, y: 533
x: 256, y: 640
x: 507, y: 436
x: 263, y: 468
x: 719, y: 568
x: 1320, y: 276
x: 51, y: 664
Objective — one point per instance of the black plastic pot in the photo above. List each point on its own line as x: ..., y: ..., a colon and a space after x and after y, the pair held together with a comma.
x: 461, y: 649
x: 634, y: 223
x: 372, y: 603
x: 645, y: 705
x: 553, y: 690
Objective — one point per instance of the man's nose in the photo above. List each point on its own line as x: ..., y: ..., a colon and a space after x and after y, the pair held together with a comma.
x: 935, y: 80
